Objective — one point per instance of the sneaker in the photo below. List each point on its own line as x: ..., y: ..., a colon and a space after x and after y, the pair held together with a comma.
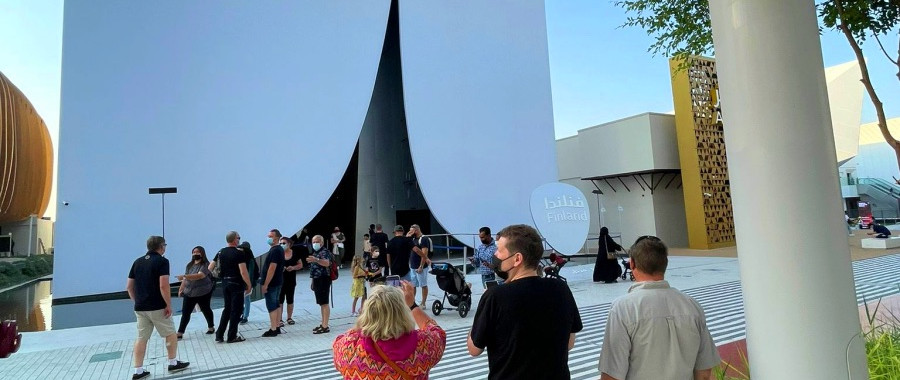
x: 140, y: 375
x: 179, y: 366
x: 321, y: 330
x: 237, y: 340
x: 244, y: 321
x: 219, y: 339
x: 270, y: 333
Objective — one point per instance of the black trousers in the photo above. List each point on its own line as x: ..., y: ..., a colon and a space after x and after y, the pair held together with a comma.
x: 187, y: 308
x: 234, y: 307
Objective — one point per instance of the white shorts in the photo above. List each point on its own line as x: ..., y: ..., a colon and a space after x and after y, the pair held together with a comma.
x: 419, y: 280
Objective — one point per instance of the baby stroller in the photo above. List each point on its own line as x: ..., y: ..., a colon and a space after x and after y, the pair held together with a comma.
x: 552, y: 265
x: 455, y: 288
x: 627, y: 271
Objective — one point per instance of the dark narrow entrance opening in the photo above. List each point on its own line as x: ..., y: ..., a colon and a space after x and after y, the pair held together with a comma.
x: 340, y: 209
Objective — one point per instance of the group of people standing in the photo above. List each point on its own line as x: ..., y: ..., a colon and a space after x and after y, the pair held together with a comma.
x: 527, y: 326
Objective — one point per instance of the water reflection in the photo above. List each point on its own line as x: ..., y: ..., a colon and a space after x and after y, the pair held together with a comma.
x: 31, y: 306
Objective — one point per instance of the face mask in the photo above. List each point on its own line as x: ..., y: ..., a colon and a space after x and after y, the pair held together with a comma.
x: 284, y: 246
x: 316, y: 246
x: 495, y: 262
x: 196, y: 257
x: 270, y: 241
x: 375, y: 254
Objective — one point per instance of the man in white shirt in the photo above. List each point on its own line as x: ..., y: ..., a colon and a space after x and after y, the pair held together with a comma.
x: 655, y: 331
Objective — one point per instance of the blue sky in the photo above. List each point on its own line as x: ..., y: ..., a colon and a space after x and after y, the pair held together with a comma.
x: 599, y: 72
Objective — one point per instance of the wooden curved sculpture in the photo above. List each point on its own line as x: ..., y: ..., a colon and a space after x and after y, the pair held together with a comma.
x: 26, y: 156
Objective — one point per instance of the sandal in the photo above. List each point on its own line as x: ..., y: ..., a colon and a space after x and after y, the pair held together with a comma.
x: 291, y: 321
x: 321, y: 330
x: 281, y: 324
x: 317, y: 328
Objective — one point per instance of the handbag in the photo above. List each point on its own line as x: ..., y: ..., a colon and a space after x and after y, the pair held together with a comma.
x: 390, y: 362
x: 609, y: 255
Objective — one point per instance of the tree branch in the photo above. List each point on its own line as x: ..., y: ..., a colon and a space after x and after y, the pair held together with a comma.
x: 882, y: 49
x: 864, y: 70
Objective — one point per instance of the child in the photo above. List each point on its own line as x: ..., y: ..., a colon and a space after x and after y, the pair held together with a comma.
x: 358, y: 289
x: 373, y: 267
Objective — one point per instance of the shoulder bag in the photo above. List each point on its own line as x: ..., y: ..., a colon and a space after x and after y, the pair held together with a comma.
x: 390, y: 362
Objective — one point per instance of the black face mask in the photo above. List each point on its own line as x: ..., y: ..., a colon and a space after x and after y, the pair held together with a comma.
x: 495, y: 262
x: 196, y: 257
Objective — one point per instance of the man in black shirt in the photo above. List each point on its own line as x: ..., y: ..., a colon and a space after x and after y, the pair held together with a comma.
x: 273, y: 275
x: 380, y: 239
x: 233, y: 272
x: 398, y: 250
x: 528, y: 325
x: 148, y: 286
x: 880, y: 231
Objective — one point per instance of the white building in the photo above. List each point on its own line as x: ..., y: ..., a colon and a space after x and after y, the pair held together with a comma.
x: 274, y: 114
x: 631, y: 167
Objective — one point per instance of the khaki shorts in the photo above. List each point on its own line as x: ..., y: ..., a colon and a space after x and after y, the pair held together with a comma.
x: 147, y: 320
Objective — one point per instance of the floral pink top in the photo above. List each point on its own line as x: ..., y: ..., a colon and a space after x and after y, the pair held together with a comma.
x: 416, y: 353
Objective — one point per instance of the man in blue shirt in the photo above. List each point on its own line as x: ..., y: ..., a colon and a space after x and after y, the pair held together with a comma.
x: 483, y: 255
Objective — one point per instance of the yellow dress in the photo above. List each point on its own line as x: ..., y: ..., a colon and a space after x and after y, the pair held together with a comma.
x: 358, y: 288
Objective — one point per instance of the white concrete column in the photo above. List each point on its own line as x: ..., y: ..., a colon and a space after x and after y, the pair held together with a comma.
x: 792, y: 246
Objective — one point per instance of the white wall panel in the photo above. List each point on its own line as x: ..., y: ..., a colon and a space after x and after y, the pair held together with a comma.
x: 251, y: 108
x: 476, y: 83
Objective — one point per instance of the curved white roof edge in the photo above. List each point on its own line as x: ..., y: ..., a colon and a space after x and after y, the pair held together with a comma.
x: 476, y: 85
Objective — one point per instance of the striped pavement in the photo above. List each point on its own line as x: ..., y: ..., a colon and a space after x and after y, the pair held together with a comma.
x: 723, y: 304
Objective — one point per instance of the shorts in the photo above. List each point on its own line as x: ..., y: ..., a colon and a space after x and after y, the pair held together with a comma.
x: 272, y: 298
x: 287, y: 294
x: 419, y: 280
x: 147, y: 320
x: 321, y: 286
x: 407, y: 276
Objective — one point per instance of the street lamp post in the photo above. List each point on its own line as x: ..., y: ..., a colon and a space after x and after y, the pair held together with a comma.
x: 163, y: 191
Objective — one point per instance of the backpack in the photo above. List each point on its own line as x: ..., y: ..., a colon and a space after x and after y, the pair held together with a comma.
x: 430, y: 246
x: 10, y: 339
x: 254, y: 271
x: 333, y: 269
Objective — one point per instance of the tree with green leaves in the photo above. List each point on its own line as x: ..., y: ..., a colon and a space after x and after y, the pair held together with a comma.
x: 682, y: 29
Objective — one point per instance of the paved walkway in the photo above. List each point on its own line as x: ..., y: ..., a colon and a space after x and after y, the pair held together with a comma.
x: 104, y: 352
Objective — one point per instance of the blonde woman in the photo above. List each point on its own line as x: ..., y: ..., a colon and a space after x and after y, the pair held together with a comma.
x: 385, y: 343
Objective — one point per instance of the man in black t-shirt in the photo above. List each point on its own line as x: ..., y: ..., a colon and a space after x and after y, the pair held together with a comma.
x: 272, y: 275
x: 148, y: 286
x: 880, y: 231
x: 380, y: 239
x: 398, y: 250
x: 528, y: 325
x: 233, y: 272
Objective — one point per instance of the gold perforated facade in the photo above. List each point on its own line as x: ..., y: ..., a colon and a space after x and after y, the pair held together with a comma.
x: 26, y: 156
x: 701, y: 149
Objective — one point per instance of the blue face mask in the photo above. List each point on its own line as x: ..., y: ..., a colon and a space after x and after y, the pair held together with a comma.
x: 270, y: 241
x: 284, y: 246
x: 316, y: 246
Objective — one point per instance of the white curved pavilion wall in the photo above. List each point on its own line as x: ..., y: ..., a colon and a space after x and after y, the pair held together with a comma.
x: 251, y: 108
x: 476, y: 85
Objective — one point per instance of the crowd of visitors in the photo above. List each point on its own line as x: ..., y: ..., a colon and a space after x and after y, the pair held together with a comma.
x: 652, y: 332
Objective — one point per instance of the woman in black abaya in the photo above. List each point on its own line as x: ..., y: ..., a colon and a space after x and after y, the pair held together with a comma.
x: 606, y: 269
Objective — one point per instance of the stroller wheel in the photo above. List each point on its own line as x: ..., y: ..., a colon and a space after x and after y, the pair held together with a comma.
x: 463, y: 309
x: 436, y: 307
